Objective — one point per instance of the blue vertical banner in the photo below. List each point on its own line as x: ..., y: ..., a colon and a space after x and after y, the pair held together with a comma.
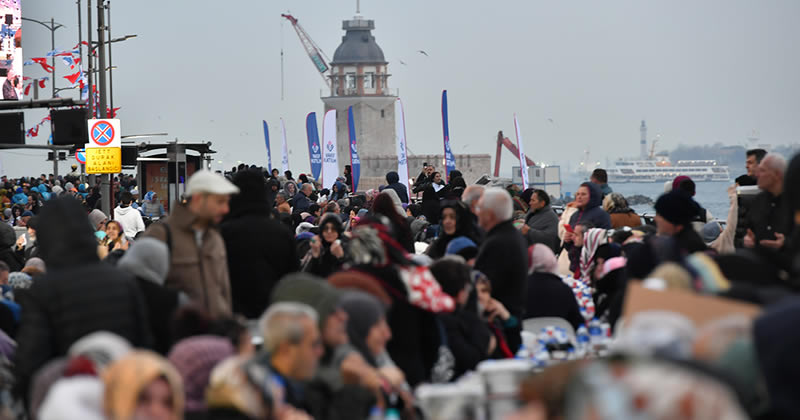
x: 449, y: 159
x: 355, y: 162
x: 314, y: 151
x: 269, y: 153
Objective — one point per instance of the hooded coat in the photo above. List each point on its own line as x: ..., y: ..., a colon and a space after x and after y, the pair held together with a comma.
x: 260, y: 250
x: 131, y: 220
x: 7, y: 240
x: 148, y: 260
x: 78, y: 295
x: 593, y: 212
x: 394, y: 183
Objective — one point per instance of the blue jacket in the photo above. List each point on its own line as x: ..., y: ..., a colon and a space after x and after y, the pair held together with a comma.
x: 593, y: 213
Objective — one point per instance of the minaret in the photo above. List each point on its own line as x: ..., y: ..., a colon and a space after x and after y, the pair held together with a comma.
x: 643, y: 140
x: 359, y: 78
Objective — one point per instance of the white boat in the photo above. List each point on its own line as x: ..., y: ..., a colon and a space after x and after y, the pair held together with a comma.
x: 652, y: 170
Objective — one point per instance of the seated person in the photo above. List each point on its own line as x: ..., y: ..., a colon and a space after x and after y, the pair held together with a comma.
x: 500, y: 321
x: 548, y: 295
x: 468, y: 337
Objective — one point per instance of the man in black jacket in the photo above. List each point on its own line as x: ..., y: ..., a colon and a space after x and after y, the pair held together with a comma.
x: 79, y: 294
x: 768, y: 218
x: 260, y: 250
x: 394, y: 183
x: 503, y: 254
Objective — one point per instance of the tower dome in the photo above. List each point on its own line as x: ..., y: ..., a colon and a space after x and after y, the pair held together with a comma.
x: 358, y: 45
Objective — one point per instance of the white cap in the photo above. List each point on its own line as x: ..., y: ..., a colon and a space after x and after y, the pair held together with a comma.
x: 208, y: 182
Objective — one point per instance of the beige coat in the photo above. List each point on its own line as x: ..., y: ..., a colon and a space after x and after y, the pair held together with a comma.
x: 200, y: 273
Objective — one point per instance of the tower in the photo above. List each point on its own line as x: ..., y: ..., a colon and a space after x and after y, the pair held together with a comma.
x: 643, y: 141
x: 359, y: 78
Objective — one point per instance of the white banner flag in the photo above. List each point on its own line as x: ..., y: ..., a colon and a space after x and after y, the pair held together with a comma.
x: 523, y: 165
x: 400, y: 135
x: 330, y: 160
x: 285, y: 157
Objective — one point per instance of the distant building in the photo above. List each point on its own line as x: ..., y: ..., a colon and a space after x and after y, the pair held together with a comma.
x: 359, y: 78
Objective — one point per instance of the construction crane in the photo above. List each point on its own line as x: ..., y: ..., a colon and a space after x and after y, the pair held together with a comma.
x: 316, y: 55
x: 504, y: 141
x: 653, y: 148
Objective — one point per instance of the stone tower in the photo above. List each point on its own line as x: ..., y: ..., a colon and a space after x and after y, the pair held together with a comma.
x: 359, y: 78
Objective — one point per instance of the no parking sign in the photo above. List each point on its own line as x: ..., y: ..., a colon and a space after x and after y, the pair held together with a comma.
x: 103, y: 153
x: 80, y: 156
x: 104, y: 133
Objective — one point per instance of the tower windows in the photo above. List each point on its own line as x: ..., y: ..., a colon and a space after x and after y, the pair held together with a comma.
x: 369, y: 80
x: 351, y: 81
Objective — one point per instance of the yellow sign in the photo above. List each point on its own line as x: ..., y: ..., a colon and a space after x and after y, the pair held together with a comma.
x: 103, y: 160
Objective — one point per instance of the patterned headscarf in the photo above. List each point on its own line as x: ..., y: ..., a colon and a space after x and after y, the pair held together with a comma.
x: 592, y: 239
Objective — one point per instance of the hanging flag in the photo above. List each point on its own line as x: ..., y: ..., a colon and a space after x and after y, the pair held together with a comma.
x: 28, y: 89
x: 269, y: 152
x: 523, y: 165
x: 54, y: 52
x: 400, y: 135
x: 43, y: 62
x: 314, y: 150
x: 69, y: 61
x: 79, y: 44
x: 449, y: 159
x: 330, y: 161
x: 285, y: 157
x: 355, y: 162
x: 73, y: 78
x: 41, y: 83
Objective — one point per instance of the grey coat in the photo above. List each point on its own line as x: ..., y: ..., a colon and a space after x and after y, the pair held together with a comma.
x: 544, y: 227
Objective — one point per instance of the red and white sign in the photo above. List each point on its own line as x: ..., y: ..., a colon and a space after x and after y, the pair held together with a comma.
x: 80, y: 156
x: 104, y: 133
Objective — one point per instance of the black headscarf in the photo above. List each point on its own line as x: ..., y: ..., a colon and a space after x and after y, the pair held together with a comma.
x: 364, y: 311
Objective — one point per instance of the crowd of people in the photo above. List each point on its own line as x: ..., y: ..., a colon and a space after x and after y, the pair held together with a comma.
x: 258, y: 296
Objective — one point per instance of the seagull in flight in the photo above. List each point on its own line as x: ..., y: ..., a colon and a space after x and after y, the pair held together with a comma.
x: 402, y: 62
x: 423, y: 53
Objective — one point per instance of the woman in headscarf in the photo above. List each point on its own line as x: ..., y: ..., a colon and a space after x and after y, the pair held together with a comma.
x: 388, y: 204
x: 588, y: 200
x: 290, y: 188
x: 338, y: 191
x: 142, y: 385
x: 430, y: 197
x: 326, y: 254
x: 195, y: 358
x: 548, y: 295
x: 369, y: 333
x: 455, y: 221
x: 152, y: 207
x: 621, y: 215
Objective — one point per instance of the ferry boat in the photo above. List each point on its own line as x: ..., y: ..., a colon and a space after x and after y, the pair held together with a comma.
x: 652, y: 170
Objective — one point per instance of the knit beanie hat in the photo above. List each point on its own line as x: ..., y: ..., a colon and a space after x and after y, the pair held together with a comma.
x: 311, y: 290
x: 463, y: 246
x: 97, y: 216
x: 676, y: 207
x: 148, y: 259
x: 195, y: 358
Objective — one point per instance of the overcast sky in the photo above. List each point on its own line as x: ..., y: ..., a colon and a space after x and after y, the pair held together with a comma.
x: 698, y: 72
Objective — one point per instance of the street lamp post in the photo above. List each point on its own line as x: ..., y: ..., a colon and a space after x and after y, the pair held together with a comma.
x: 52, y: 28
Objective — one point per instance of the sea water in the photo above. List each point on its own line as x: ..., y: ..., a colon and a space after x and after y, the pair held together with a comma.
x: 713, y: 196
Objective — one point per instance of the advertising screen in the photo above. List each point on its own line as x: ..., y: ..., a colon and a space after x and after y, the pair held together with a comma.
x: 11, y: 49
